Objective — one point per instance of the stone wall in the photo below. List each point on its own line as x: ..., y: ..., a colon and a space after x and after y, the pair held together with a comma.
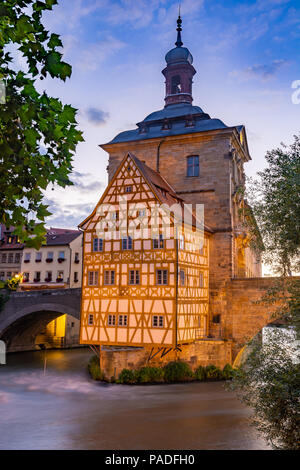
x: 205, y: 352
x: 243, y: 318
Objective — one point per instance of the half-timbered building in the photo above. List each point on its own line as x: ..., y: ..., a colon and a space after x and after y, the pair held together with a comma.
x: 145, y: 276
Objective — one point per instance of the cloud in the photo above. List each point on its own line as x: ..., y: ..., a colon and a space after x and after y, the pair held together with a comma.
x: 95, y: 54
x: 260, y: 71
x: 97, y: 116
x: 71, y: 205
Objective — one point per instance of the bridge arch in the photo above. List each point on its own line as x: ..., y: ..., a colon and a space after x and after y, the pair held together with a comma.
x: 26, y: 314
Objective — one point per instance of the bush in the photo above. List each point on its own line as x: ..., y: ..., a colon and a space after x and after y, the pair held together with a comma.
x: 94, y: 368
x: 228, y: 372
x: 213, y: 373
x: 200, y: 373
x: 177, y: 372
x: 150, y: 375
x: 127, y: 376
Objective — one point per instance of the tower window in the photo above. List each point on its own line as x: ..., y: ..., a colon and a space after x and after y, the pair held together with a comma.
x: 175, y: 85
x: 193, y: 165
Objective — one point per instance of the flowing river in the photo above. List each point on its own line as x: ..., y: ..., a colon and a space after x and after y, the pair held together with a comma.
x: 62, y: 408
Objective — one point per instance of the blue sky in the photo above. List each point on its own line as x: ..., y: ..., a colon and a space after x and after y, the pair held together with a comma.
x: 246, y: 53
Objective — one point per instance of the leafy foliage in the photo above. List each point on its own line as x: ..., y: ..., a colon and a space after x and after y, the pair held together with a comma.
x: 269, y: 382
x: 38, y: 134
x: 275, y: 202
x: 213, y: 373
x: 94, y: 368
x: 228, y: 372
x: 150, y: 375
x: 200, y: 373
x: 127, y: 376
x: 177, y: 371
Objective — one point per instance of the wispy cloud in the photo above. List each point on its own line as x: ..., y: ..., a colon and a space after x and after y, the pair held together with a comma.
x: 259, y: 71
x: 90, y: 58
x: 97, y: 116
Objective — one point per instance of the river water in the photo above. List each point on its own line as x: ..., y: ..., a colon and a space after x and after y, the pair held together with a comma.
x: 65, y: 409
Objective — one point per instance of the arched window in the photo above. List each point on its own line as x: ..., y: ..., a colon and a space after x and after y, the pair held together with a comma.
x: 176, y: 85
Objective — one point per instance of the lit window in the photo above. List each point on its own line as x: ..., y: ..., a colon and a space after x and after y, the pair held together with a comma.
x: 109, y: 277
x: 134, y: 277
x: 193, y: 165
x: 158, y: 243
x: 175, y: 85
x: 127, y: 243
x: 122, y: 320
x: 162, y: 276
x: 111, y: 320
x: 158, y: 321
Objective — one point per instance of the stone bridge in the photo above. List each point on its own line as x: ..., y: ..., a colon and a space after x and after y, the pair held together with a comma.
x: 25, y: 314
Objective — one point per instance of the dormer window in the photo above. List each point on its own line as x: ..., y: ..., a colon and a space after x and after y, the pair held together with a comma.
x: 166, y: 125
x: 176, y: 85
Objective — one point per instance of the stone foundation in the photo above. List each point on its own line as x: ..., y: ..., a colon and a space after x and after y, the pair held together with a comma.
x: 205, y: 352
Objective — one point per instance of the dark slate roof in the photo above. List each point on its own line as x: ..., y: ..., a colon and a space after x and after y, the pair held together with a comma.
x: 174, y: 119
x: 178, y: 55
x: 174, y: 110
x: 59, y: 236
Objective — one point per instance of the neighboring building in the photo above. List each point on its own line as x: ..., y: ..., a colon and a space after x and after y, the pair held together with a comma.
x: 57, y: 264
x: 10, y: 253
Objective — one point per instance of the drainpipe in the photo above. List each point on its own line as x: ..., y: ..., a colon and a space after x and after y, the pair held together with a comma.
x: 157, y: 155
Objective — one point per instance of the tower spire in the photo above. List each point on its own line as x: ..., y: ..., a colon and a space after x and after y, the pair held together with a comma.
x: 179, y: 42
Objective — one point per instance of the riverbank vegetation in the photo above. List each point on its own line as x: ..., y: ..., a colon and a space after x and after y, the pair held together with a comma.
x: 173, y: 372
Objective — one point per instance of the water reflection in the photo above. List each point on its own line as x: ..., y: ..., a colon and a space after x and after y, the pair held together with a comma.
x: 64, y: 409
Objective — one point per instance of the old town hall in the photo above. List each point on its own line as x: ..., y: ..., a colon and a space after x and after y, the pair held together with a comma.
x: 158, y: 297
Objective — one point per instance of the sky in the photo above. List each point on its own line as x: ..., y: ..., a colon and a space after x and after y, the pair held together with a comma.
x: 246, y: 53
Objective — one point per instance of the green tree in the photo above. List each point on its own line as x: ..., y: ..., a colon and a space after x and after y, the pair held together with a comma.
x: 269, y: 380
x: 275, y: 201
x: 31, y: 121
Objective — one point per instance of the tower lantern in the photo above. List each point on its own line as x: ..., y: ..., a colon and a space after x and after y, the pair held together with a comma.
x: 179, y: 72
